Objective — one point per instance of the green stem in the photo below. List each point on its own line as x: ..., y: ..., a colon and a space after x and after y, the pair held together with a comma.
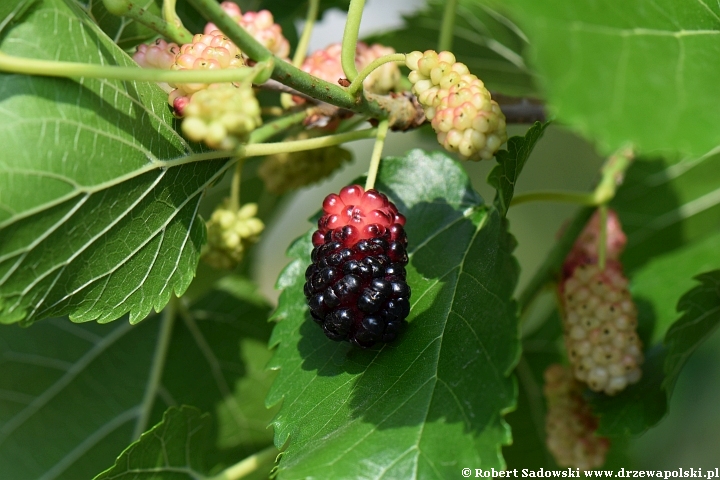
x: 158, y: 365
x: 173, y: 31
x: 400, y: 110
x: 350, y: 38
x: 302, y: 46
x: 249, y: 465
x: 602, y: 247
x: 612, y: 173
x: 235, y: 186
x: 356, y: 84
x: 382, y: 130
x: 552, y: 265
x: 259, y: 149
x: 52, y: 68
x: 170, y: 15
x: 448, y: 25
x: 281, y: 124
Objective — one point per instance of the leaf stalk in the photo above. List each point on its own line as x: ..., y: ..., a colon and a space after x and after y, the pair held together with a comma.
x: 52, y: 68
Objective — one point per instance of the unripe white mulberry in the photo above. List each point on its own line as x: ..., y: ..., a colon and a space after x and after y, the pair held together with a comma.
x: 160, y: 54
x: 261, y: 25
x: 570, y: 426
x: 326, y: 64
x: 212, y: 51
x: 287, y: 171
x: 222, y: 116
x: 599, y: 315
x: 467, y: 121
x: 229, y: 235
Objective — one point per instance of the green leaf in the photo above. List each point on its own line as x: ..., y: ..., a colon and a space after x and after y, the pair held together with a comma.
x: 486, y: 41
x: 639, y: 406
x: 433, y: 401
x: 511, y: 161
x: 605, y: 65
x: 660, y: 283
x: 80, y: 394
x: 701, y: 316
x: 663, y: 206
x: 171, y: 450
x: 124, y: 31
x: 98, y: 201
x: 222, y: 347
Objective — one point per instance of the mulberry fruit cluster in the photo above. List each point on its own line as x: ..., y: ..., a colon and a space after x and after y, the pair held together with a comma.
x: 287, y: 171
x: 261, y: 25
x: 161, y: 55
x: 326, y: 64
x: 209, y: 51
x: 600, y: 317
x: 466, y: 120
x: 229, y: 235
x: 569, y: 424
x: 222, y: 116
x: 356, y: 286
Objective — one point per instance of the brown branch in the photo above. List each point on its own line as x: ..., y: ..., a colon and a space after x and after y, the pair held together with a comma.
x: 521, y: 109
x: 517, y: 110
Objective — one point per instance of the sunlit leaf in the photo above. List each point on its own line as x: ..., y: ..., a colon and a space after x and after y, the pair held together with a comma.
x: 98, y: 194
x: 638, y: 72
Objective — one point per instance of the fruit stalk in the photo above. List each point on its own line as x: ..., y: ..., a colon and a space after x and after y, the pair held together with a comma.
x: 382, y: 130
x: 356, y: 84
x: 302, y: 46
x: 350, y: 38
x: 445, y: 40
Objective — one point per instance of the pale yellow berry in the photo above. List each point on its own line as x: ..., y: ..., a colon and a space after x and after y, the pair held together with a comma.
x: 229, y: 234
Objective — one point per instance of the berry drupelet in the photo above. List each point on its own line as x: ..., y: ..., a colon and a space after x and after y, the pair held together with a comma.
x: 356, y: 284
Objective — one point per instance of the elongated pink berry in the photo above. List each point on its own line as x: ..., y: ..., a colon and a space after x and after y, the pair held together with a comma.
x: 570, y: 425
x: 599, y: 315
